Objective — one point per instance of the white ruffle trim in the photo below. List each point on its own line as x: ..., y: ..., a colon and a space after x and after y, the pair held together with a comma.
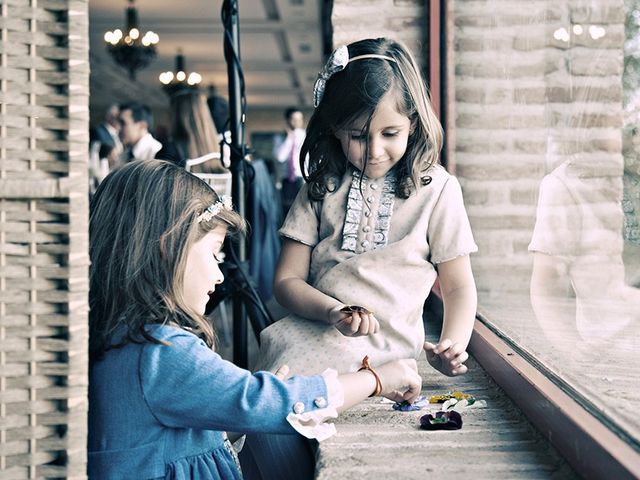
x: 314, y: 424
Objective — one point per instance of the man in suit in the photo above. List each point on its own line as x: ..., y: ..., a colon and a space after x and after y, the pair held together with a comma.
x: 136, y: 121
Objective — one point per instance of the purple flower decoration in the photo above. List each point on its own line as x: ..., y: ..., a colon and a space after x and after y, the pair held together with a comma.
x: 450, y: 420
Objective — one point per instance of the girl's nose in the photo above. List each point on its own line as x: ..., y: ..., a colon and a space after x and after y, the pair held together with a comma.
x: 219, y: 276
x: 375, y: 148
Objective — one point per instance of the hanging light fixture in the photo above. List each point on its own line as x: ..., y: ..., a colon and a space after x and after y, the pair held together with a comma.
x: 131, y: 49
x: 180, y: 79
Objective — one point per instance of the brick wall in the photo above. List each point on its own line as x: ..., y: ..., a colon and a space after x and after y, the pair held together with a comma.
x: 531, y: 88
x: 528, y: 90
x: 403, y: 20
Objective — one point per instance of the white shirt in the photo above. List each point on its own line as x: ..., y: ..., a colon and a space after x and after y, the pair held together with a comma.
x: 283, y: 152
x: 146, y: 148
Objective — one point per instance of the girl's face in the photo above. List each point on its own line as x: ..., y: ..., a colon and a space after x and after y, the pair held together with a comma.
x: 388, y: 135
x: 202, y: 272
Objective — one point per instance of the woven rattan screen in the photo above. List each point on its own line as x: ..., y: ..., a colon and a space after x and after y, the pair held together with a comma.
x: 44, y: 90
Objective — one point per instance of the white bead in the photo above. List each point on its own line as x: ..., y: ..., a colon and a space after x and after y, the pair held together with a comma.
x: 366, y: 228
x: 320, y: 402
x: 374, y: 186
x: 370, y: 199
x: 298, y: 408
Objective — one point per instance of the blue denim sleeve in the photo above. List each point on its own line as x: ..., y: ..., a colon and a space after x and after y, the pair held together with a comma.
x: 187, y: 385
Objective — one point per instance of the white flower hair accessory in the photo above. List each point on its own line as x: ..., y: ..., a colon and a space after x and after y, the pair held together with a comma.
x: 213, y: 209
x: 337, y: 62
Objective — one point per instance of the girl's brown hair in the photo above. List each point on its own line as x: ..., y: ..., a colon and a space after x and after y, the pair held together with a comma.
x: 354, y: 94
x: 142, y: 225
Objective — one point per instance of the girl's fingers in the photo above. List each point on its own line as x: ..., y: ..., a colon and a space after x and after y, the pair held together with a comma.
x: 429, y: 347
x: 355, y: 323
x: 459, y: 370
x: 374, y: 327
x: 443, y: 346
x: 282, y: 372
x: 363, y: 329
x: 463, y: 357
x: 455, y: 350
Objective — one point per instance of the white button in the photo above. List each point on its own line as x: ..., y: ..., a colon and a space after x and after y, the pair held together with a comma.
x: 374, y: 186
x: 367, y: 213
x: 320, y: 402
x: 366, y: 228
x: 298, y: 408
x: 370, y: 199
x: 365, y: 244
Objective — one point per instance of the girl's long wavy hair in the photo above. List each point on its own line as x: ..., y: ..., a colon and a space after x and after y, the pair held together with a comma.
x: 353, y: 94
x: 142, y: 226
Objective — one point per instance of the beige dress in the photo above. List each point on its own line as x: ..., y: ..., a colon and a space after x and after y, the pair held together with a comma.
x: 373, y: 249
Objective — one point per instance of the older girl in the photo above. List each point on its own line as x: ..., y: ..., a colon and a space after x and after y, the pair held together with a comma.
x: 376, y: 223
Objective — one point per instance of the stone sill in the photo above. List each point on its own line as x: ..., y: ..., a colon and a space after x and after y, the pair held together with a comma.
x: 374, y: 441
x: 592, y: 449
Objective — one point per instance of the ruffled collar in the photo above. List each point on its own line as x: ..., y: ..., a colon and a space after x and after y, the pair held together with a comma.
x: 356, y: 205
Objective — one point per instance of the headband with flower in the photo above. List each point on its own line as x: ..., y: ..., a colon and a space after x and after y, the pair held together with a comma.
x: 337, y: 62
x: 212, y: 210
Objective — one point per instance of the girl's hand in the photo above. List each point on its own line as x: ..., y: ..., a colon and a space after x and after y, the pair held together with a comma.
x: 400, y: 380
x: 447, y: 357
x: 353, y: 324
x: 282, y: 372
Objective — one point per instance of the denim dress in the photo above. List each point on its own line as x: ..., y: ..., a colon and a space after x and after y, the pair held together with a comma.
x: 159, y: 411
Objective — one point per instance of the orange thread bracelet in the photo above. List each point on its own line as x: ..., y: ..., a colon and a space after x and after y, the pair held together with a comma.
x: 366, y: 366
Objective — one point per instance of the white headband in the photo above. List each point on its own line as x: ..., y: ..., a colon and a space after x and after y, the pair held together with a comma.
x: 213, y: 209
x: 337, y: 62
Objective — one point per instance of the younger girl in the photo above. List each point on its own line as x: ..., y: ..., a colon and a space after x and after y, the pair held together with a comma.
x: 160, y: 397
x: 376, y: 223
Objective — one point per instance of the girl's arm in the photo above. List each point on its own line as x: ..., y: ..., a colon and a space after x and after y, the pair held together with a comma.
x: 290, y: 285
x: 292, y: 291
x: 553, y: 299
x: 187, y: 385
x: 399, y: 378
x: 460, y: 302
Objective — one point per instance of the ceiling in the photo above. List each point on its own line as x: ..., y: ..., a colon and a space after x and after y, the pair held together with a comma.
x: 281, y: 49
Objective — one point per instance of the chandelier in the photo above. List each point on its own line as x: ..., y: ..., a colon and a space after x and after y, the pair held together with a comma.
x: 131, y: 50
x: 180, y: 79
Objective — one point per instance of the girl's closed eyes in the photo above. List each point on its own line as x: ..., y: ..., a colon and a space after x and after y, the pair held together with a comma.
x: 359, y: 136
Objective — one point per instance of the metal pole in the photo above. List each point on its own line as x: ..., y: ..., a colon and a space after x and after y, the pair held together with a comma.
x: 232, y: 56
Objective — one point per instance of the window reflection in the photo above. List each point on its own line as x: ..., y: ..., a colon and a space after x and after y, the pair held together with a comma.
x: 547, y: 147
x: 578, y: 288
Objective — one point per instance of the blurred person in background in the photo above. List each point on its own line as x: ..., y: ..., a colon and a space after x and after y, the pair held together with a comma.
x: 193, y: 131
x: 287, y: 152
x: 136, y: 123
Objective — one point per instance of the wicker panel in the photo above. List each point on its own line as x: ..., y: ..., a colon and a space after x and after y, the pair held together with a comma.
x: 44, y: 90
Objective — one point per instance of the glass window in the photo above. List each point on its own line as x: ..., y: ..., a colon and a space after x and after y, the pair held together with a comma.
x: 545, y: 137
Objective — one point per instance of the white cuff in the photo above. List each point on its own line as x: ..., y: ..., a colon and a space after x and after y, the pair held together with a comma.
x: 313, y: 424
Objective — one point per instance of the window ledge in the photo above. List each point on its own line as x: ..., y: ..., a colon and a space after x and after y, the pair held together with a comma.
x: 591, y: 448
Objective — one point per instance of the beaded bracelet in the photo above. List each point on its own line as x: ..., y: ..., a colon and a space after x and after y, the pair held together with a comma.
x: 366, y: 366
